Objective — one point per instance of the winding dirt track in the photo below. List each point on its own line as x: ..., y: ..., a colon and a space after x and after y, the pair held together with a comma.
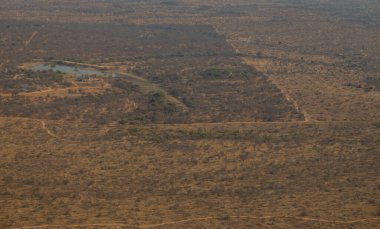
x: 27, y: 42
x: 203, y: 219
x: 291, y: 100
x: 295, y: 104
x: 43, y: 125
x: 145, y: 85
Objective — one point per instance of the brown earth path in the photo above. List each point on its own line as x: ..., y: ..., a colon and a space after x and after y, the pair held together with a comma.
x: 27, y: 42
x: 204, y: 219
x: 145, y: 85
x: 291, y: 100
x: 43, y: 125
x: 51, y: 90
x: 110, y: 126
x: 272, y: 80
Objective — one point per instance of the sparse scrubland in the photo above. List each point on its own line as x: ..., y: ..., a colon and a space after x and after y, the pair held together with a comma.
x: 213, y: 114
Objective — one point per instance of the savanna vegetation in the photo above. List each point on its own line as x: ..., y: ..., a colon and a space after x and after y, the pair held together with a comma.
x: 210, y: 114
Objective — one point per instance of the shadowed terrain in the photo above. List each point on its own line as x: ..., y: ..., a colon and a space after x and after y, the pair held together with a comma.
x: 189, y: 114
